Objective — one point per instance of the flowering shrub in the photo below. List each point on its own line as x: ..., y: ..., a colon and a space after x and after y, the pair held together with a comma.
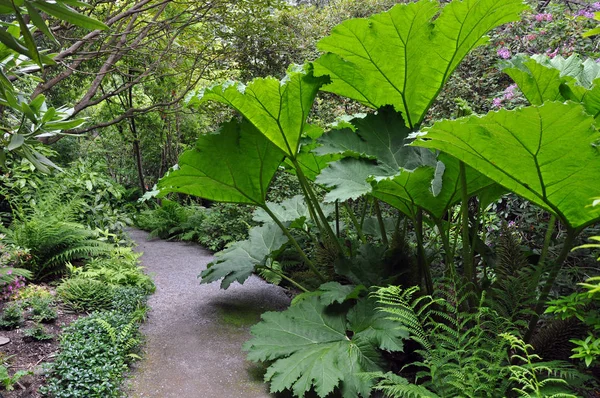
x: 11, y: 278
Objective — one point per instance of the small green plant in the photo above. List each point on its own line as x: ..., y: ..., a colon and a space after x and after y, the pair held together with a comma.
x: 460, y: 351
x: 128, y: 300
x: 12, y: 316
x: 79, y: 294
x: 33, y: 292
x: 9, y: 381
x: 583, y: 306
x: 119, y: 268
x: 125, y: 338
x: 42, y: 309
x: 535, y: 378
x: 38, y: 333
x: 89, y: 363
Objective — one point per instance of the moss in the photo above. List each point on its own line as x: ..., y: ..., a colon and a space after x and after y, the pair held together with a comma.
x: 239, y: 315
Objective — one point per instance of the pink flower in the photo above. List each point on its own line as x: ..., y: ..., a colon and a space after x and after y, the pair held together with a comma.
x: 596, y: 6
x: 497, y: 102
x: 585, y: 13
x: 509, y: 92
x: 543, y: 17
x: 530, y: 37
x: 503, y: 53
x: 553, y: 53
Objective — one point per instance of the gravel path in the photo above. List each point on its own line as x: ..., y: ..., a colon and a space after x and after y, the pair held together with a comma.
x: 194, y: 333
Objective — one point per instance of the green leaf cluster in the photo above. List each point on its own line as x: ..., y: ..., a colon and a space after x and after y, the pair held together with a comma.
x: 318, y: 344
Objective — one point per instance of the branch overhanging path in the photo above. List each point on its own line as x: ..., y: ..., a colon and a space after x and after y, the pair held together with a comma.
x: 194, y: 333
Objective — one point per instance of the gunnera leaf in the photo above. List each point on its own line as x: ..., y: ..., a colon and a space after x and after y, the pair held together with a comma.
x: 278, y: 109
x: 404, y: 56
x: 545, y: 154
x: 313, y: 345
x: 238, y: 261
x: 235, y: 165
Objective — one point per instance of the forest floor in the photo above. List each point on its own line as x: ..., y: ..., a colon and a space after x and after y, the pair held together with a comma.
x: 194, y: 333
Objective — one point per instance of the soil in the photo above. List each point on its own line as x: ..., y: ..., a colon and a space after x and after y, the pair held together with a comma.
x: 194, y: 333
x: 25, y: 353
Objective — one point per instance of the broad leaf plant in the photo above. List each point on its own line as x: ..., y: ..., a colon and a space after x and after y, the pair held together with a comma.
x: 396, y: 63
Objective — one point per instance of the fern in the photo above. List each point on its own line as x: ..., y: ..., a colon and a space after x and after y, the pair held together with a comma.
x: 124, y: 340
x: 535, y: 378
x: 514, y: 291
x: 461, y: 355
x: 52, y: 243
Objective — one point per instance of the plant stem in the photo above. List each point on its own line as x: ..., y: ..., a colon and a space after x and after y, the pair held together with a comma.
x: 421, y: 255
x: 287, y: 233
x: 445, y: 239
x: 337, y: 219
x: 312, y: 197
x: 355, y: 222
x: 384, y: 238
x: 547, y: 239
x: 469, y: 272
x: 554, y: 270
x: 287, y: 278
x: 364, y: 212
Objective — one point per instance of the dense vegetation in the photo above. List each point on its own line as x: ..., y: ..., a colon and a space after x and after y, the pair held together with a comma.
x: 417, y: 174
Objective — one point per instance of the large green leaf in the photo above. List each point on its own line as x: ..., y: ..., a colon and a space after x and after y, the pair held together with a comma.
x: 404, y: 56
x: 413, y: 190
x: 545, y: 154
x: 541, y: 78
x: 235, y: 165
x: 310, y: 346
x: 278, y: 109
x: 382, y: 164
x: 238, y: 261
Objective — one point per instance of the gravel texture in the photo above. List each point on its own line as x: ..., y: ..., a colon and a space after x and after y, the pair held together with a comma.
x: 194, y: 333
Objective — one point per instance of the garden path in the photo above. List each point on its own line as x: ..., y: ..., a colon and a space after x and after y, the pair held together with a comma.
x: 194, y: 333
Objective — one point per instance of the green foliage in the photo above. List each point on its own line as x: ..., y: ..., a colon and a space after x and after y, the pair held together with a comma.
x: 38, y: 333
x: 460, y: 351
x: 538, y: 379
x: 513, y: 292
x: 89, y: 363
x: 12, y: 316
x: 364, y: 70
x: 558, y: 180
x: 278, y: 109
x: 119, y: 268
x: 314, y: 344
x: 235, y: 165
x: 225, y: 223
x: 29, y: 116
x: 238, y: 261
x: 584, y: 307
x: 162, y: 220
x: 42, y: 309
x: 9, y: 381
x: 53, y: 242
x: 128, y: 300
x: 79, y: 294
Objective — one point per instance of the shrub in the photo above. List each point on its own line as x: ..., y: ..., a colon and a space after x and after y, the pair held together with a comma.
x: 160, y: 221
x: 225, y: 223
x: 119, y: 268
x: 42, y: 309
x: 38, y: 333
x: 79, y: 294
x: 52, y: 242
x: 12, y: 316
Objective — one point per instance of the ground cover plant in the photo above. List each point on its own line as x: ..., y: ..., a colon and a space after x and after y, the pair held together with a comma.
x: 436, y: 176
